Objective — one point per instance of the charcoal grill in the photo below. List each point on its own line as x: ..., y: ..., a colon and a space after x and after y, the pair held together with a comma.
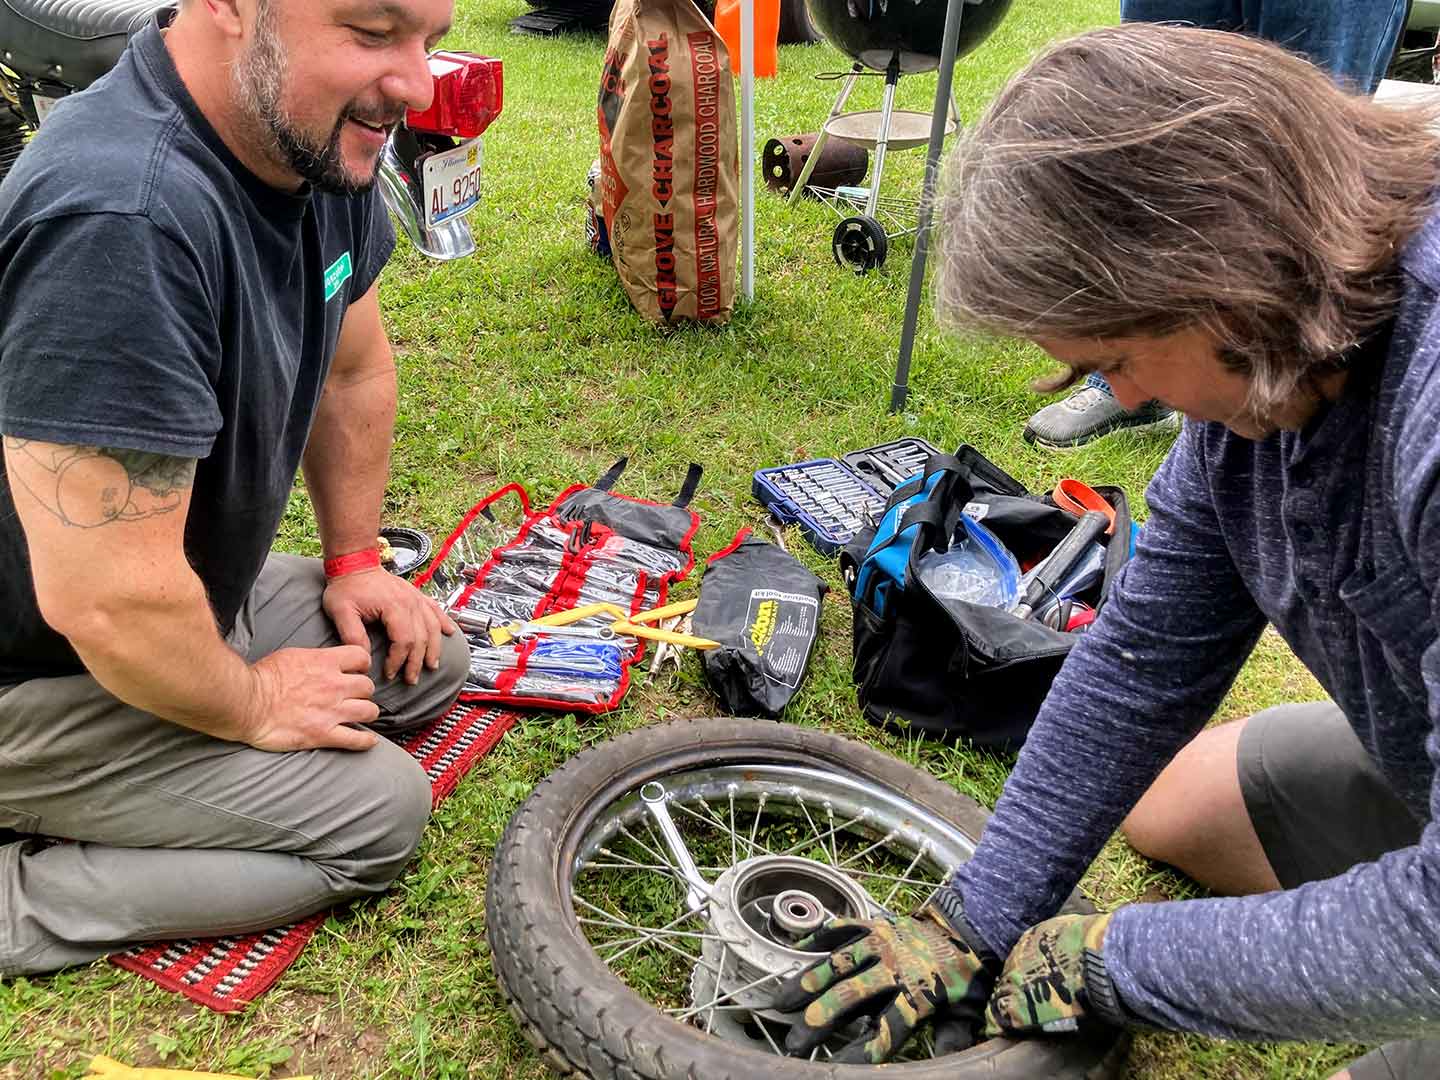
x: 896, y: 37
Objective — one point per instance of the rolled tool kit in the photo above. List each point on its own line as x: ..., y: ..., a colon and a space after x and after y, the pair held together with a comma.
x: 832, y: 499
x: 557, y: 609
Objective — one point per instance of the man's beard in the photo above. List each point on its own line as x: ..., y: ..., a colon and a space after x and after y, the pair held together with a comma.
x: 258, y: 80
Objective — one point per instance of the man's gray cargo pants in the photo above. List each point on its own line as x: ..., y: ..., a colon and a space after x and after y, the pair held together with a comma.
x: 179, y: 834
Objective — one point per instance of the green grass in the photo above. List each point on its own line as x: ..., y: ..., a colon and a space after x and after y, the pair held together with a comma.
x: 526, y: 363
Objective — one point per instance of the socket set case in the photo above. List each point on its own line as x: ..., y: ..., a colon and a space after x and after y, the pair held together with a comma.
x: 833, y: 499
x: 887, y: 466
x: 587, y: 547
x: 824, y: 497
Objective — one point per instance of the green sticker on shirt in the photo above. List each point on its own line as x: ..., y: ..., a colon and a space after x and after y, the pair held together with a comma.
x: 338, y: 273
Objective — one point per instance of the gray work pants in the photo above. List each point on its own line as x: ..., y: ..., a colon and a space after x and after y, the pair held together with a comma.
x: 184, y: 835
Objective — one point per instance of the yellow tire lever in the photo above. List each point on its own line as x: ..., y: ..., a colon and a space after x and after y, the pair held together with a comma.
x: 625, y: 623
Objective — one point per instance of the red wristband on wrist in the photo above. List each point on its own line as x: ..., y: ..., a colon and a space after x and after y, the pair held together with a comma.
x: 352, y: 563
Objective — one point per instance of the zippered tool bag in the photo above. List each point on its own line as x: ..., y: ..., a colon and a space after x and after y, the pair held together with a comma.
x: 949, y: 667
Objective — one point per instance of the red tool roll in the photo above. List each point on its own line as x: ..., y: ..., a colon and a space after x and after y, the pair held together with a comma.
x: 589, y: 546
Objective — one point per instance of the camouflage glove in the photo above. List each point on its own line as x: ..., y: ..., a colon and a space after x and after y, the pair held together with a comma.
x: 915, y: 968
x: 1055, y: 979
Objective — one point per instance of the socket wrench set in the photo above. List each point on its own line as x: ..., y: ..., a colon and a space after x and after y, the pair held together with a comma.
x: 887, y: 466
x: 832, y: 499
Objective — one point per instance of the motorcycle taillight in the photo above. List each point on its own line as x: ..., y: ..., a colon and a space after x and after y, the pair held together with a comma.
x: 469, y: 93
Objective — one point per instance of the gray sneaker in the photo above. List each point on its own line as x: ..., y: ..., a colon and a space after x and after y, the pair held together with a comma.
x: 1090, y: 412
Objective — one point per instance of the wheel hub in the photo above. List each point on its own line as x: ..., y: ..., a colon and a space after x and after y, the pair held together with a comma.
x: 760, y: 909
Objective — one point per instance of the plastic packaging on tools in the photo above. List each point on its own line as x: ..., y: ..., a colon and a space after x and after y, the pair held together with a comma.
x: 764, y: 609
x: 978, y: 568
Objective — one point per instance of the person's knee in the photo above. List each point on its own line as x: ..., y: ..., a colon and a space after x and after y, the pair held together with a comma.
x: 392, y: 814
x: 1153, y: 828
x: 1196, y: 792
x: 454, y: 667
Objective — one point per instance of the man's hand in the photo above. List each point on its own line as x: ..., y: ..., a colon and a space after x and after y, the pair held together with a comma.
x: 413, y: 622
x: 1053, y: 979
x: 916, y: 968
x: 307, y: 699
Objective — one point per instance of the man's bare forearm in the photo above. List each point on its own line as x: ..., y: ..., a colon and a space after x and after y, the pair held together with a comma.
x: 347, y: 459
x: 132, y: 607
x: 163, y: 653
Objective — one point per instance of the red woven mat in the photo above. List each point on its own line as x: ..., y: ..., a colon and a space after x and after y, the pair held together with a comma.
x: 228, y: 973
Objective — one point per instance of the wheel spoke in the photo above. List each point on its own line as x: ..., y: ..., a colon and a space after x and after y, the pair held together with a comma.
x: 754, y: 825
x: 866, y: 851
x: 711, y: 818
x: 649, y: 935
x: 675, y: 871
x: 734, y: 854
x: 892, y: 877
x: 618, y: 921
x: 657, y: 932
x: 919, y: 854
x: 685, y: 956
x: 800, y: 800
x: 668, y: 871
x: 829, y: 834
x: 762, y: 980
x: 760, y: 1023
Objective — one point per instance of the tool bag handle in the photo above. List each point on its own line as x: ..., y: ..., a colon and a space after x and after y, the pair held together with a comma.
x: 610, y: 475
x: 688, y: 488
x: 933, y: 520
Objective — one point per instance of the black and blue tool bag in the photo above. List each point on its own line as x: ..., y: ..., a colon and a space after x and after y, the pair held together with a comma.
x: 946, y: 667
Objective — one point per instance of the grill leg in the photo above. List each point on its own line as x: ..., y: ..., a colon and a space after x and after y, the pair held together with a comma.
x: 892, y: 77
x: 824, y: 135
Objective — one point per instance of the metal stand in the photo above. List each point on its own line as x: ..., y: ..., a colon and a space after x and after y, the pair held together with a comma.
x: 900, y: 389
x: 747, y: 150
x: 892, y: 77
x: 824, y: 136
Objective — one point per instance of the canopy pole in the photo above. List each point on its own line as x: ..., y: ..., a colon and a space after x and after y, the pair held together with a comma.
x: 899, y: 391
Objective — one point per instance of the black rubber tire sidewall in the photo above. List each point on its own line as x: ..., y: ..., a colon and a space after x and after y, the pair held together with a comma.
x: 795, y: 25
x: 586, y: 1022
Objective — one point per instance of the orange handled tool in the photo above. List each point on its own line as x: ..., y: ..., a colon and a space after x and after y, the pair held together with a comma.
x: 1078, y: 497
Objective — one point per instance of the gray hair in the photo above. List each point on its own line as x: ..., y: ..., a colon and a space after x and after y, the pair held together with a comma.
x: 1141, y: 179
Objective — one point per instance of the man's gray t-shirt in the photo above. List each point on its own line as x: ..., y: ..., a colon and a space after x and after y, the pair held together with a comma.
x: 156, y: 295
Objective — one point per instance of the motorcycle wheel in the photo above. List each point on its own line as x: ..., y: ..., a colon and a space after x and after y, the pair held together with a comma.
x: 617, y: 963
x: 12, y: 138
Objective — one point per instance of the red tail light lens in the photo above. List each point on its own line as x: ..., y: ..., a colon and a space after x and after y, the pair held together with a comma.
x: 469, y: 93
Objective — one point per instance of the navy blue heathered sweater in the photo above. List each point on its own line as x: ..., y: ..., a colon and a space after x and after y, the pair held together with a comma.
x: 1333, y: 535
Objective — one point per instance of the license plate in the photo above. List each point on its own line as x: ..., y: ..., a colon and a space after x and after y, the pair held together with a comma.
x: 43, y: 105
x: 452, y: 182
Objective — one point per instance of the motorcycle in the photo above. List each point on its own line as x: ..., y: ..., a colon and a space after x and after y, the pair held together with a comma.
x: 430, y: 168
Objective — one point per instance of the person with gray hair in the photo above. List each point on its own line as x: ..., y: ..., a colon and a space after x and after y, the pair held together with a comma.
x: 1207, y: 220
x: 1353, y: 40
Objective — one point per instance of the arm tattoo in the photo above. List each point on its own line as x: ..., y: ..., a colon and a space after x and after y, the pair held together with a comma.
x: 88, y: 486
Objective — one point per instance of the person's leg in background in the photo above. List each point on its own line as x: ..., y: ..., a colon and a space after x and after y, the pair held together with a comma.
x: 180, y: 834
x: 1352, y: 39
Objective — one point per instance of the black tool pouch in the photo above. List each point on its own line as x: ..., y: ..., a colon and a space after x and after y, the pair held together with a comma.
x: 763, y: 607
x: 947, y: 667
